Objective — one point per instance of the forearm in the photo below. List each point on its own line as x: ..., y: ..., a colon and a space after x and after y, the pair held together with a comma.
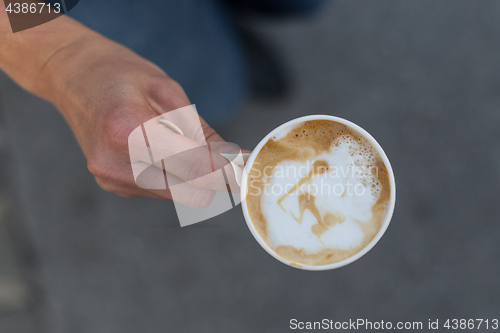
x: 30, y: 56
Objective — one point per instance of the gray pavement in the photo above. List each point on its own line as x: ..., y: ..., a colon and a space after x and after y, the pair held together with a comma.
x: 16, y: 272
x: 420, y: 76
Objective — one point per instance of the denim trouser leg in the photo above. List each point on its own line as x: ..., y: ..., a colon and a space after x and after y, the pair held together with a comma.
x: 194, y: 42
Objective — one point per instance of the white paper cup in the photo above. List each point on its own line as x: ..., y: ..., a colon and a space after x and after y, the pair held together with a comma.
x: 386, y: 219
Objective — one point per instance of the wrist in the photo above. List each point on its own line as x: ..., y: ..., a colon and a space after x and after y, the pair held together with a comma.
x: 28, y: 56
x: 64, y: 64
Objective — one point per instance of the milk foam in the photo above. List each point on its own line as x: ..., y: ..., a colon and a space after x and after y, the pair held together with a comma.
x: 349, y: 188
x: 317, y: 192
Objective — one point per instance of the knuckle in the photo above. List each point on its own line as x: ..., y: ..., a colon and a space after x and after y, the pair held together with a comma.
x: 108, y: 171
x: 109, y: 186
x: 117, y: 131
x: 100, y: 171
x: 208, y: 131
x: 94, y: 169
x: 103, y: 184
x: 169, y: 93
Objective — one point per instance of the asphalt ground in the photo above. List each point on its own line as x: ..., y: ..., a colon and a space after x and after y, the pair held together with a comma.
x: 422, y: 77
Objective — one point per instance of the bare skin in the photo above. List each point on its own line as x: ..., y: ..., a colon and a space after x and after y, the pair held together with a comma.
x: 104, y: 91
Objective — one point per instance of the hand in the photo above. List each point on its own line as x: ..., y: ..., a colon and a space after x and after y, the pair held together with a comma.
x: 105, y: 91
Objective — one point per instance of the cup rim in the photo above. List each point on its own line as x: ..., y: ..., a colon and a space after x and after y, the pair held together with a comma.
x: 369, y: 246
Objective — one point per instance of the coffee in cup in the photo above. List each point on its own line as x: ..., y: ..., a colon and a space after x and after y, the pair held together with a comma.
x: 319, y: 192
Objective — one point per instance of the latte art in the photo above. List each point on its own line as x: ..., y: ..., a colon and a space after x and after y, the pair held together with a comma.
x: 317, y: 192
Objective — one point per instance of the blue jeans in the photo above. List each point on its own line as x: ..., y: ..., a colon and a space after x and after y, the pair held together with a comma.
x: 194, y: 42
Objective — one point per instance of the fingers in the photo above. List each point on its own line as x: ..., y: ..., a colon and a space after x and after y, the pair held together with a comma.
x: 152, y: 182
x: 180, y: 192
x: 155, y: 180
x: 209, y: 133
x: 182, y: 156
x: 187, y: 157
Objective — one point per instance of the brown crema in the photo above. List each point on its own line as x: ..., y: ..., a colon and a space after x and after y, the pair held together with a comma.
x: 305, y: 143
